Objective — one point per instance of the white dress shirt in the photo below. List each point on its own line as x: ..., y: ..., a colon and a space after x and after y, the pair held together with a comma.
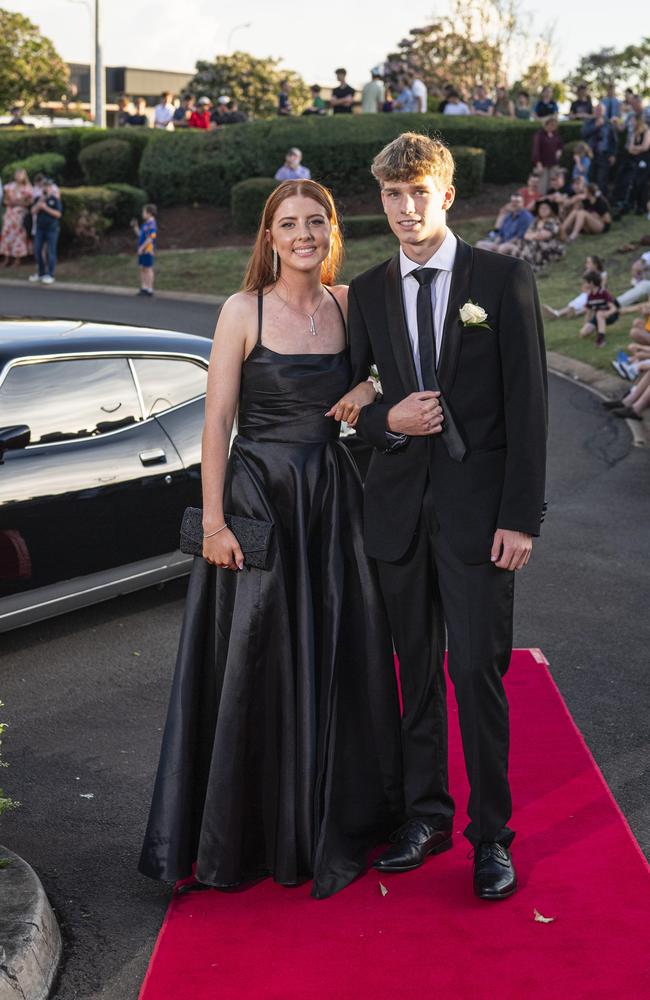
x: 443, y: 259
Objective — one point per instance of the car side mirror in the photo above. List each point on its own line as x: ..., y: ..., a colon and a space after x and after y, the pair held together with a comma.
x: 14, y: 437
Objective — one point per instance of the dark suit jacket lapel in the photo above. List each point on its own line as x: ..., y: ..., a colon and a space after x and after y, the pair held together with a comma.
x: 397, y: 329
x: 453, y: 329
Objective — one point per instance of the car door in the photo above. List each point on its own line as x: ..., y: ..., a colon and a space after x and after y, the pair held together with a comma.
x: 89, y: 493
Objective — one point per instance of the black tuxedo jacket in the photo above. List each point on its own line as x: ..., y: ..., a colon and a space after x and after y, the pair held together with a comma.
x: 494, y: 382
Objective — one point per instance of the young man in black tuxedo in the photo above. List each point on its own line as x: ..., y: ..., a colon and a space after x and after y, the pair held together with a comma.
x: 454, y: 493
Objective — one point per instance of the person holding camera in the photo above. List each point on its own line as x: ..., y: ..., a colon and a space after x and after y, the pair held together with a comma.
x: 47, y: 211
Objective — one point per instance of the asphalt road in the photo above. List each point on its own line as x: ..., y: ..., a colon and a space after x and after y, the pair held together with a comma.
x: 86, y: 694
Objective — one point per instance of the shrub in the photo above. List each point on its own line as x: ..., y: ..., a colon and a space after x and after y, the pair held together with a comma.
x: 50, y: 164
x: 129, y: 203
x: 87, y: 213
x: 355, y: 226
x: 18, y: 144
x: 247, y: 199
x: 106, y: 161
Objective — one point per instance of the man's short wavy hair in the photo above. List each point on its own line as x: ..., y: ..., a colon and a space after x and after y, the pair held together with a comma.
x: 411, y: 156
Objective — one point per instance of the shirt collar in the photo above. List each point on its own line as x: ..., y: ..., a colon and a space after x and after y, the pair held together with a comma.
x: 443, y: 258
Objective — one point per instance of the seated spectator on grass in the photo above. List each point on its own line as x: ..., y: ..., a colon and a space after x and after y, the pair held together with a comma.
x: 591, y: 215
x: 530, y: 193
x: 581, y: 107
x: 559, y: 191
x: 284, y: 101
x: 522, y: 106
x: 124, y: 111
x: 541, y: 244
x: 610, y: 102
x: 640, y: 329
x: 200, y: 117
x: 455, y: 105
x: 640, y: 276
x: 577, y: 305
x: 233, y: 114
x: 183, y: 113
x: 343, y: 95
x: 503, y: 106
x: 512, y: 226
x: 163, y: 115
x: 139, y: 117
x: 545, y: 106
x: 634, y: 402
x: 292, y: 168
x: 481, y: 103
x: 546, y: 151
x: 600, y: 134
x: 602, y: 309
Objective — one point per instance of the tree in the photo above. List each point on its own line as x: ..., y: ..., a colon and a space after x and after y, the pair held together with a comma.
x: 31, y: 70
x: 253, y: 83
x: 477, y: 42
x: 628, y: 68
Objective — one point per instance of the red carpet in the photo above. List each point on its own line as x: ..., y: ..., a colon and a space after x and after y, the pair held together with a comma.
x: 429, y: 938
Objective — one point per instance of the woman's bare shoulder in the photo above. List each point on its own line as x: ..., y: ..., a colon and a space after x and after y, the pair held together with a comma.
x: 340, y: 292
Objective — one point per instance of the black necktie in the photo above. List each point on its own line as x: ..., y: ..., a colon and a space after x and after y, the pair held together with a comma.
x: 427, y: 347
x: 425, y: 276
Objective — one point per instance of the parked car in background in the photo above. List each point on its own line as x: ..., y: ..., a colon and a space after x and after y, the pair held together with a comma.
x: 100, y: 438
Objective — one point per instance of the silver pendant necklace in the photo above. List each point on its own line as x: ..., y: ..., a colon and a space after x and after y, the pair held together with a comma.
x: 310, y: 316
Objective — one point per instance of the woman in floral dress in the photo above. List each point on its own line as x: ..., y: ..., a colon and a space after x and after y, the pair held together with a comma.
x: 542, y: 243
x: 14, y: 241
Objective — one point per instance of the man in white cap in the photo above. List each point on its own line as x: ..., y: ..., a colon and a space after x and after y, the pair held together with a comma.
x: 220, y: 113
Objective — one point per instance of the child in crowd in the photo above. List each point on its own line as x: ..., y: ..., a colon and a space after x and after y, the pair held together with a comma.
x: 602, y: 308
x: 147, y: 234
x: 581, y: 161
x: 577, y: 306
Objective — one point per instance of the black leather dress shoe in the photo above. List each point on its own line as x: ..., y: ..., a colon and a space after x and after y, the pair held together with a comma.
x: 494, y: 872
x: 414, y: 841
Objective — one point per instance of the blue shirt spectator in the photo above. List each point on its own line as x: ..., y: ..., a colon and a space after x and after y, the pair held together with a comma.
x: 611, y: 104
x: 514, y: 226
x: 292, y: 168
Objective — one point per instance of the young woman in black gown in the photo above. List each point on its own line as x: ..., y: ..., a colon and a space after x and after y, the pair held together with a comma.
x: 281, y: 751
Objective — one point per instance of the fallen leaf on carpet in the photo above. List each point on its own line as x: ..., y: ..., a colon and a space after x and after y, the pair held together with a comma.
x: 383, y: 890
x: 86, y: 795
x: 542, y: 920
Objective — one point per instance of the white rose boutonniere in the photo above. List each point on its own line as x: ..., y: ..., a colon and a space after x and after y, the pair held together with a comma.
x: 472, y: 314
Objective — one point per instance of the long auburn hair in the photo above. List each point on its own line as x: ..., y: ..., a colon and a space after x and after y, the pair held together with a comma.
x: 259, y: 273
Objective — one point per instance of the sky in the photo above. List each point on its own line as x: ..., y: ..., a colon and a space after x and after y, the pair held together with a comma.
x: 312, y: 38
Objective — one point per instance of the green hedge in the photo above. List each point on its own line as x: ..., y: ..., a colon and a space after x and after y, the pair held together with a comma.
x: 247, y: 199
x: 87, y: 213
x: 355, y: 226
x: 50, y: 164
x: 195, y: 167
x: 128, y: 205
x: 106, y: 161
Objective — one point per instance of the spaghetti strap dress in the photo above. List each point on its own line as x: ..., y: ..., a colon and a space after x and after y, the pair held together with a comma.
x: 281, y: 751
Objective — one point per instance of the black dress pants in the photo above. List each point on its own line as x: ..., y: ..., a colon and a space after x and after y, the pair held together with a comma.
x: 426, y: 590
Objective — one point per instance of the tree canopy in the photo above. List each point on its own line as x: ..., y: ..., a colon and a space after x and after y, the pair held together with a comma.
x: 253, y: 83
x: 629, y: 67
x: 31, y: 70
x: 479, y: 41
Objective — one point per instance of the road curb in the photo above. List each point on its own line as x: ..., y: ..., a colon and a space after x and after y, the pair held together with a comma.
x: 605, y: 385
x: 30, y: 941
x: 70, y: 286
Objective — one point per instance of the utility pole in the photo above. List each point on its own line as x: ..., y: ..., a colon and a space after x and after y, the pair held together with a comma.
x: 100, y: 96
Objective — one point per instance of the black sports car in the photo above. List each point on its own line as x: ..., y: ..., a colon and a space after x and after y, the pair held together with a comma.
x: 100, y: 437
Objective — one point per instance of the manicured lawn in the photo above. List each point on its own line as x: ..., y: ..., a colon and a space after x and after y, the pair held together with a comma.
x: 220, y: 271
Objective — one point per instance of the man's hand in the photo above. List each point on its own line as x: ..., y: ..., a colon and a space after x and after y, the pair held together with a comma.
x: 511, y: 549
x: 418, y: 415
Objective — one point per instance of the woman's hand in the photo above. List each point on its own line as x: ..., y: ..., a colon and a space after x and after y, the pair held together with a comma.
x: 223, y: 550
x: 349, y: 406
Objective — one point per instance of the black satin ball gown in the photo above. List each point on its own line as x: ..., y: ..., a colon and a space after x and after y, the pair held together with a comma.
x: 281, y: 752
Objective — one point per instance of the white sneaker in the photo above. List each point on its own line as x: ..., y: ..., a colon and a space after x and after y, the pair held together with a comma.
x: 47, y: 279
x: 34, y: 277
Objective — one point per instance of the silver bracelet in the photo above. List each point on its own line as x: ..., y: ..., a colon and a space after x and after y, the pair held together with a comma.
x: 223, y: 526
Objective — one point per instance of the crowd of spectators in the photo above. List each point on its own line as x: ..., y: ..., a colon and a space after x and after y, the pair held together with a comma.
x: 173, y: 113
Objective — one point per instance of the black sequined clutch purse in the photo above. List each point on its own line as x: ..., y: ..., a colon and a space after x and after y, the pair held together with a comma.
x: 253, y: 536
